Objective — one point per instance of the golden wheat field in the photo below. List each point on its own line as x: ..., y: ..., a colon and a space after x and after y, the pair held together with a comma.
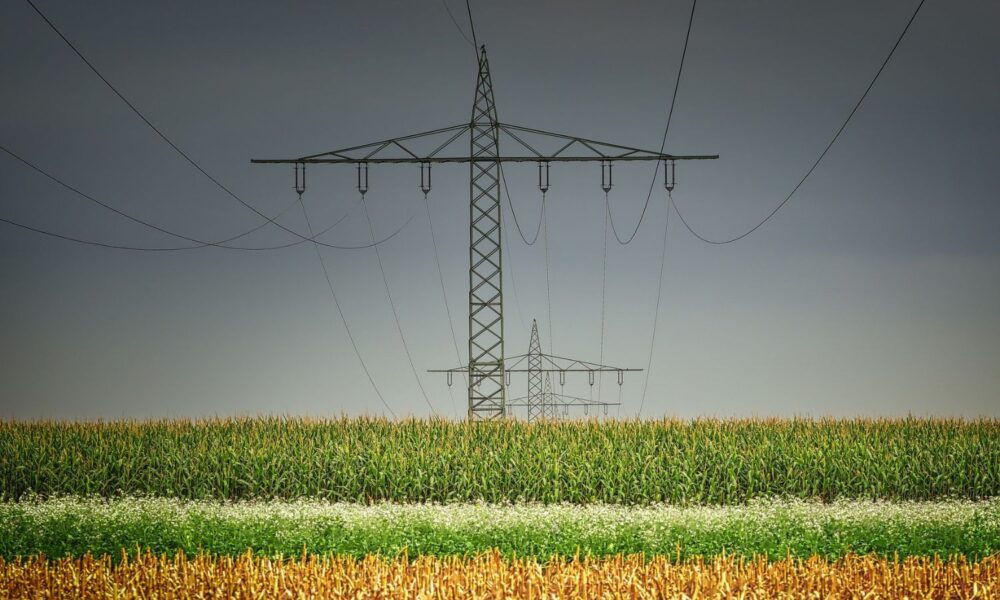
x: 491, y: 576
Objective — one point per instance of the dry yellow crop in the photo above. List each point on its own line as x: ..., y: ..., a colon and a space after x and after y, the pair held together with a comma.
x: 491, y: 576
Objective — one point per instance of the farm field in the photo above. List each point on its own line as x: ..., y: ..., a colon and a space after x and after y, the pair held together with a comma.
x: 708, y: 508
x: 372, y: 460
x: 491, y: 576
x: 73, y: 527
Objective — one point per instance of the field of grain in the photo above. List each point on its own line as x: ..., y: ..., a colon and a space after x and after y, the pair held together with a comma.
x: 371, y: 460
x: 373, y: 508
x: 491, y: 576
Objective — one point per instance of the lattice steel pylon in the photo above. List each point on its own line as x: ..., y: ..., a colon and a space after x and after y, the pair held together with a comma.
x: 486, y: 372
x: 536, y: 394
x: 487, y: 368
x: 541, y: 402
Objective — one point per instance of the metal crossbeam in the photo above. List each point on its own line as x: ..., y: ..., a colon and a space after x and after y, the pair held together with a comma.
x: 394, y: 150
x: 478, y: 144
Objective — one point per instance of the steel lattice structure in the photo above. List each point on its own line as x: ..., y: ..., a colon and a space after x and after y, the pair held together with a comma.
x: 541, y: 402
x: 486, y: 372
x: 536, y: 394
x: 487, y: 367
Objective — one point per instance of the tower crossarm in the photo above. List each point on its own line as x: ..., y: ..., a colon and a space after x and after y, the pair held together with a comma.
x: 551, y: 364
x: 563, y: 399
x: 444, y: 145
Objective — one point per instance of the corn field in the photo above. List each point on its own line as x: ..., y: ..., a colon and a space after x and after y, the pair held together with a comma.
x: 369, y: 460
x: 490, y: 576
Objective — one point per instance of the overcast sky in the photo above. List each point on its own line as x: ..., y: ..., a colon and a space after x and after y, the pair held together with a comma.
x: 873, y: 292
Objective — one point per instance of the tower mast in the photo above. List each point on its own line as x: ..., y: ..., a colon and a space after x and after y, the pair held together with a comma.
x: 486, y: 369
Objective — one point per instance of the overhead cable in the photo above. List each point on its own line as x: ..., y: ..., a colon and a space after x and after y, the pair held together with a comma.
x: 472, y: 26
x: 548, y: 290
x: 663, y: 251
x: 199, y: 243
x: 395, y: 314
x: 604, y: 291
x: 451, y: 16
x: 520, y: 232
x: 663, y: 142
x: 656, y: 311
x: 444, y: 297
x: 340, y: 311
x: 818, y: 160
x: 163, y: 136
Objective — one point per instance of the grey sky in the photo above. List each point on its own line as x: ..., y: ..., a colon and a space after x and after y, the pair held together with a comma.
x: 874, y: 292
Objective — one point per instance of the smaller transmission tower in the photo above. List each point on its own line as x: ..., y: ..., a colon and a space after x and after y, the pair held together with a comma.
x: 541, y: 402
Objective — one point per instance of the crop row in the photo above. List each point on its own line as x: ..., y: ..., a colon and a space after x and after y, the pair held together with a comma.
x: 370, y: 460
x: 73, y: 527
x: 491, y: 576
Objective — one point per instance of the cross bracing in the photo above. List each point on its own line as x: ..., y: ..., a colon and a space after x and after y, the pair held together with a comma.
x: 443, y: 146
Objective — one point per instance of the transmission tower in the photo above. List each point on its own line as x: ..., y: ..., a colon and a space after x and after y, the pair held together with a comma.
x: 541, y: 402
x: 486, y: 366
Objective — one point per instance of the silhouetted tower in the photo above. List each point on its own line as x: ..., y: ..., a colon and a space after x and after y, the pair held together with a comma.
x: 541, y: 402
x: 486, y: 389
x: 486, y: 365
x: 536, y: 400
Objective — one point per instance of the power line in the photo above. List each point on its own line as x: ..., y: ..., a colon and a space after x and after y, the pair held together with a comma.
x: 472, y: 26
x: 451, y: 16
x: 163, y: 136
x: 70, y: 238
x: 663, y: 252
x: 604, y: 290
x: 200, y: 243
x: 340, y: 311
x: 510, y: 268
x: 821, y: 156
x: 395, y: 315
x: 503, y: 178
x: 548, y: 290
x: 505, y: 247
x: 444, y: 297
x: 656, y: 311
x: 663, y: 142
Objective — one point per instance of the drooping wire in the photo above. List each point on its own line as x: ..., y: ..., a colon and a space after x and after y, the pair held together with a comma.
x: 509, y: 267
x: 395, y: 314
x: 444, y: 297
x: 818, y: 160
x: 176, y: 148
x: 604, y: 290
x: 505, y: 246
x: 503, y: 179
x: 77, y: 240
x: 663, y: 142
x: 663, y: 253
x: 451, y: 15
x: 343, y: 319
x: 548, y: 290
x: 656, y: 311
x: 199, y: 243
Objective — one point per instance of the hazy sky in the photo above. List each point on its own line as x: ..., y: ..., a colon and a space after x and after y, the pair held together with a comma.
x: 873, y: 292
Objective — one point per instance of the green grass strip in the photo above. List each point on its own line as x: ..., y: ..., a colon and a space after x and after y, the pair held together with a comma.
x: 370, y: 460
x: 73, y: 526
